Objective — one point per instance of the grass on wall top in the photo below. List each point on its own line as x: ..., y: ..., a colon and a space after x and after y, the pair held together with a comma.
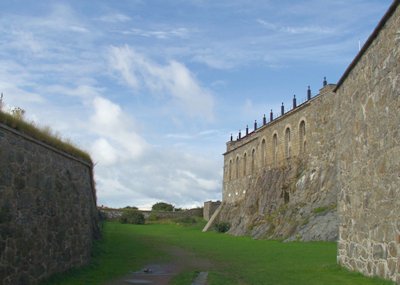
x: 43, y: 134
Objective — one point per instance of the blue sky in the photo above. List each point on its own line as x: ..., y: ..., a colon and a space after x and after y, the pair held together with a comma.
x: 153, y: 89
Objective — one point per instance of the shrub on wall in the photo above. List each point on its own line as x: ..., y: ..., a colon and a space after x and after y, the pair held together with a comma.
x: 162, y: 206
x: 153, y: 217
x: 132, y: 217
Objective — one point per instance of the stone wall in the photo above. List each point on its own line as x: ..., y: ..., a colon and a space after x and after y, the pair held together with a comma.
x: 48, y: 215
x: 114, y: 214
x: 195, y: 212
x: 279, y: 181
x: 368, y: 150
x: 209, y: 208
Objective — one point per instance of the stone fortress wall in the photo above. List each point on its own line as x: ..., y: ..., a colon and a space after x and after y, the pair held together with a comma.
x: 329, y: 168
x: 368, y: 155
x: 295, y: 135
x: 48, y: 215
x: 279, y: 180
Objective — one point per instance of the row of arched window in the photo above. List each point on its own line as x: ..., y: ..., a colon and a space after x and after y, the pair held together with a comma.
x: 234, y: 165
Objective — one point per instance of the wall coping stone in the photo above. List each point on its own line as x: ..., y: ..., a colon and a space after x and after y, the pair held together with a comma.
x: 63, y: 153
x: 368, y: 43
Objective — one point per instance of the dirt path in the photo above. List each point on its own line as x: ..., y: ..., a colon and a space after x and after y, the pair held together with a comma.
x: 162, y: 273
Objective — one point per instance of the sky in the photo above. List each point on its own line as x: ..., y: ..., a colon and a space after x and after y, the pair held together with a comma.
x: 153, y: 89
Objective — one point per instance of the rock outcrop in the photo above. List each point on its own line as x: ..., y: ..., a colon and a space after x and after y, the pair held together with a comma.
x: 293, y: 202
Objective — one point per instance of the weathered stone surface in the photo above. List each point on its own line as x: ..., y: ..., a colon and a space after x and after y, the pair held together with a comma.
x: 48, y: 215
x: 368, y: 155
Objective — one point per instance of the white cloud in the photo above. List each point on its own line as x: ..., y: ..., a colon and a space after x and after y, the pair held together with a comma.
x: 159, y: 34
x: 115, y: 18
x: 107, y: 116
x: 120, y: 60
x: 193, y: 136
x: 207, y: 184
x: 213, y: 60
x: 173, y: 79
x: 14, y: 80
x: 78, y: 29
x: 61, y: 18
x: 313, y: 29
x: 104, y: 152
x: 162, y: 174
x: 26, y: 41
x: 117, y: 133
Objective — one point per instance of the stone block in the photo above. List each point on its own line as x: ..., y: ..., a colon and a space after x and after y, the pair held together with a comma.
x: 392, y: 249
x: 379, y: 252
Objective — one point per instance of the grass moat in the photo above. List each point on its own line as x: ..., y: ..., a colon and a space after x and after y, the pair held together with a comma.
x: 228, y: 260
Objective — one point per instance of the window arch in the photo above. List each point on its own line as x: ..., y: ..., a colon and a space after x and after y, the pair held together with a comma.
x: 237, y: 167
x: 286, y: 196
x: 263, y: 153
x: 302, y: 136
x: 275, y: 148
x: 230, y: 169
x: 253, y: 160
x: 287, y: 142
x: 244, y: 164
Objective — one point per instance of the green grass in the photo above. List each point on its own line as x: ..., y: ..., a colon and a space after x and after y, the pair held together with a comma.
x: 237, y: 260
x: 120, y: 251
x: 324, y: 209
x: 43, y: 134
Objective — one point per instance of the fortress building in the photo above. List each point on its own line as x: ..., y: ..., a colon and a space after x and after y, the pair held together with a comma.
x: 329, y: 168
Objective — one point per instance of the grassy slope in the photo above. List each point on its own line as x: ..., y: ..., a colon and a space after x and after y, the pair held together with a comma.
x: 239, y: 260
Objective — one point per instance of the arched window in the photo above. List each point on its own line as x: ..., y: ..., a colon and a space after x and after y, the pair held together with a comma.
x: 230, y: 169
x: 286, y: 196
x: 244, y: 164
x: 275, y: 148
x: 302, y: 136
x: 263, y: 153
x: 237, y: 167
x: 287, y: 142
x: 253, y: 158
